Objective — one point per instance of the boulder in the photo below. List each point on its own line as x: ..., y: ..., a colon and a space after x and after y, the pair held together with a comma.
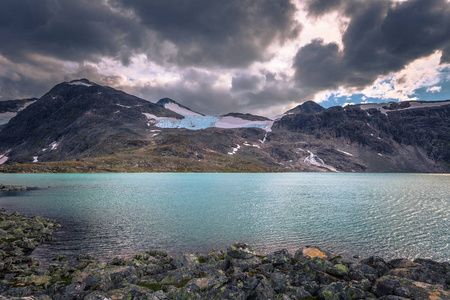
x: 277, y: 258
x: 240, y: 251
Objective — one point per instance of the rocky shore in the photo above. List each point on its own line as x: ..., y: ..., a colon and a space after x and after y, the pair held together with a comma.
x: 237, y: 273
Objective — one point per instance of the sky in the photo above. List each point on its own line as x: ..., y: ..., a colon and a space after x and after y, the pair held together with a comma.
x: 214, y: 56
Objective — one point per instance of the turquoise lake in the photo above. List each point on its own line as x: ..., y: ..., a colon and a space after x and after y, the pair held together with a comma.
x: 390, y: 215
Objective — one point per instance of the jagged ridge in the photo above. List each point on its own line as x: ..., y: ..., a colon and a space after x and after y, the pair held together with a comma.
x: 109, y: 130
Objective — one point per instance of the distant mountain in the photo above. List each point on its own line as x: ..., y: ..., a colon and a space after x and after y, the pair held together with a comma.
x: 249, y: 117
x: 80, y: 126
x: 10, y: 108
x: 174, y: 106
x: 308, y: 107
x: 405, y: 137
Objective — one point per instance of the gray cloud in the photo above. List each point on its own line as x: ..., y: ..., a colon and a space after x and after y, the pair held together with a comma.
x: 245, y: 82
x: 318, y: 65
x: 277, y: 91
x: 87, y: 71
x: 45, y: 42
x: 203, y: 32
x: 198, y: 91
x: 69, y: 30
x: 41, y: 42
x: 231, y: 33
x: 446, y: 55
x: 381, y: 37
x: 320, y: 7
x: 195, y: 89
x: 31, y: 78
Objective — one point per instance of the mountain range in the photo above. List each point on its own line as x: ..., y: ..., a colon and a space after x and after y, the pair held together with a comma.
x: 80, y: 126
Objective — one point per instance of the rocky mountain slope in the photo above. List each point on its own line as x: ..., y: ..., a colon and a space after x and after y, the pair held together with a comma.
x: 79, y: 126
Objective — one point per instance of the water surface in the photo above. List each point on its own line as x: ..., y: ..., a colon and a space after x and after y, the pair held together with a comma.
x: 391, y: 215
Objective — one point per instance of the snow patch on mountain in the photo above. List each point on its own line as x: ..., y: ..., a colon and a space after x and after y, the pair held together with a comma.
x: 35, y: 159
x: 278, y: 117
x: 412, y: 105
x: 79, y: 82
x: 54, y: 145
x: 180, y: 110
x: 233, y: 122
x: 264, y: 138
x: 251, y: 145
x: 234, y: 150
x: 314, y: 160
x: 3, y: 159
x: 346, y: 153
x: 123, y: 105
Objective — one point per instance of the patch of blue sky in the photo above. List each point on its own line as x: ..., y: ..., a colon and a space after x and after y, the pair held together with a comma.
x: 428, y: 93
x: 334, y: 100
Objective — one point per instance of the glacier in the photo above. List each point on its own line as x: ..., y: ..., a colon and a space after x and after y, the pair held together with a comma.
x: 194, y: 121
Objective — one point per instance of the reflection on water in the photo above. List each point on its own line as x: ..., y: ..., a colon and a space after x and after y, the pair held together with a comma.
x: 391, y: 215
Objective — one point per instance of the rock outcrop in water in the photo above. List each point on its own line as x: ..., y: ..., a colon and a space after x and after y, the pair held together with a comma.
x: 12, y: 188
x: 238, y: 273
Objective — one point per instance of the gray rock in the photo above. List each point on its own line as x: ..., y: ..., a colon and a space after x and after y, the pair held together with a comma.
x: 246, y: 264
x: 210, y: 282
x: 378, y: 263
x: 233, y: 290
x: 187, y: 260
x: 338, y: 270
x: 360, y: 271
x: 277, y: 258
x: 385, y: 286
x: 263, y: 290
x: 402, y: 292
x: 190, y: 291
x: 298, y: 292
x: 279, y: 281
x: 340, y: 290
x: 241, y: 251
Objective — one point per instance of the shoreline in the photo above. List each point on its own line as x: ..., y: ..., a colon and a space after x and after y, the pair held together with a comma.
x: 235, y: 273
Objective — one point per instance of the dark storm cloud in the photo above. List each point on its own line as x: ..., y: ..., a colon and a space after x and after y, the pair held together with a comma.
x: 245, y: 82
x: 225, y: 33
x: 381, y: 37
x: 446, y: 55
x: 37, y: 35
x: 320, y: 7
x: 231, y: 33
x: 271, y: 89
x: 28, y: 79
x: 318, y: 65
x: 69, y: 30
x: 25, y: 80
x: 274, y: 89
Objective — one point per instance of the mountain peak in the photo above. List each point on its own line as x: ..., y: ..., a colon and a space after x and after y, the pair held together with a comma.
x: 174, y: 106
x: 307, y: 107
x: 163, y: 101
x: 82, y: 81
